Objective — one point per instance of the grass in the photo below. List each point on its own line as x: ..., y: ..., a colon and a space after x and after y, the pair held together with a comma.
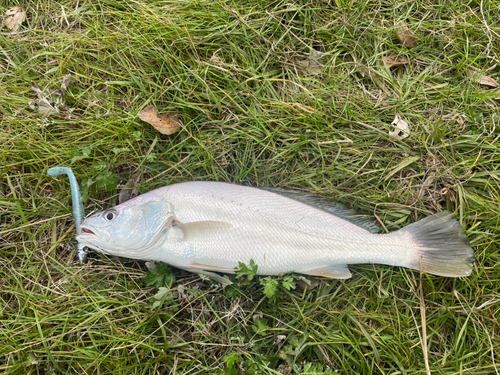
x: 256, y: 112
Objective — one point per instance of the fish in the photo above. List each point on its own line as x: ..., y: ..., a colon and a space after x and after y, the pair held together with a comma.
x: 209, y: 227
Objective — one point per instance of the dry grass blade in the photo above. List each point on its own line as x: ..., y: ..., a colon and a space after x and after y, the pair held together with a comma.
x: 471, y: 312
x: 482, y: 79
x: 391, y: 61
x: 405, y: 35
x: 166, y: 123
x: 424, y: 327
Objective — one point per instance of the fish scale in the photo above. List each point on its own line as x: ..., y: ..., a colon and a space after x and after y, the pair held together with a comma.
x: 264, y: 224
x: 207, y: 227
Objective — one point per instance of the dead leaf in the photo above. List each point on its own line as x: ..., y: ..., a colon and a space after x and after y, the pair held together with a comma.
x: 391, y: 61
x: 312, y: 65
x: 405, y: 35
x: 491, y: 104
x: 166, y: 123
x: 14, y: 19
x: 129, y: 191
x: 482, y: 79
x: 402, y: 128
x: 315, y: 282
x: 51, y: 102
x: 259, y: 315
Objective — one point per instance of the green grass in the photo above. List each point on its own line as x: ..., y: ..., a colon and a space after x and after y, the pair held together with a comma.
x: 253, y: 115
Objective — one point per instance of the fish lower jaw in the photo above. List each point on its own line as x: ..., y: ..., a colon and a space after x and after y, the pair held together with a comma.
x: 130, y: 253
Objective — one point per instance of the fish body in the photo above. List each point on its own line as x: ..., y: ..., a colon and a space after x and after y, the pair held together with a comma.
x: 212, y: 226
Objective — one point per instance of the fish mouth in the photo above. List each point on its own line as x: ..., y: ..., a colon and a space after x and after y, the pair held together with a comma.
x: 86, y: 230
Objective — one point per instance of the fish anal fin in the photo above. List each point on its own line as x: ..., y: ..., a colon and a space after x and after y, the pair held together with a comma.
x: 202, y: 230
x: 337, y: 271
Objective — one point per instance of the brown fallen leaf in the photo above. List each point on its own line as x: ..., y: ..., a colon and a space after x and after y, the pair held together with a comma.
x: 482, y: 79
x: 166, y: 123
x: 491, y: 104
x: 391, y: 61
x: 14, y: 19
x: 405, y: 35
x: 129, y: 191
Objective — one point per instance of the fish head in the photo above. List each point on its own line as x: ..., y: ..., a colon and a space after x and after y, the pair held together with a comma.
x: 132, y: 229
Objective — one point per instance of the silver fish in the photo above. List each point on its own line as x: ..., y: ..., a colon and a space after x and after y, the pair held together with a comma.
x: 207, y: 227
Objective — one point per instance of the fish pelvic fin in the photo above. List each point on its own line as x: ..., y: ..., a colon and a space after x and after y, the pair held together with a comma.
x: 224, y: 280
x: 337, y: 271
x: 442, y: 248
x: 211, y: 267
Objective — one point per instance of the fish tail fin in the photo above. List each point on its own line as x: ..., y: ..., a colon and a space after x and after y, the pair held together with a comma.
x: 442, y: 247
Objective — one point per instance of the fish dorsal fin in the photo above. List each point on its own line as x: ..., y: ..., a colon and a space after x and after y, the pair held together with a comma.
x: 334, y: 208
x: 202, y: 230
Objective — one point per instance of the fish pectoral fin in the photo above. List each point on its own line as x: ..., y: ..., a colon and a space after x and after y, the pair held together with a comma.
x: 337, y: 271
x: 224, y: 280
x: 202, y: 230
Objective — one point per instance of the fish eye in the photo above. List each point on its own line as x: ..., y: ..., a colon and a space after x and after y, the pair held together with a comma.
x: 109, y: 214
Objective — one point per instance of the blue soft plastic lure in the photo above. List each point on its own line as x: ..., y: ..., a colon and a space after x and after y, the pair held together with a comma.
x: 76, y: 200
